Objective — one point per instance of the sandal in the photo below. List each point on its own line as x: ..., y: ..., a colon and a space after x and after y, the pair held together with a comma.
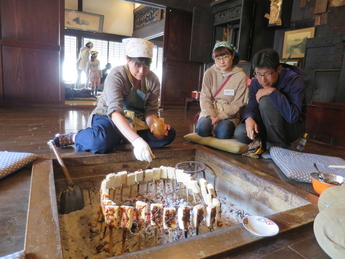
x: 254, y: 149
x: 64, y: 140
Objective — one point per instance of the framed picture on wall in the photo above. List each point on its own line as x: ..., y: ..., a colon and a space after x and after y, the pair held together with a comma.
x: 293, y: 62
x: 83, y: 21
x: 295, y: 41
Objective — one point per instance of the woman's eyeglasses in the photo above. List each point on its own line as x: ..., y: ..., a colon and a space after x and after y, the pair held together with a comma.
x: 222, y: 58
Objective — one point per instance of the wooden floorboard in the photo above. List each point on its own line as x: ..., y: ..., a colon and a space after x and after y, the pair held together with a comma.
x: 27, y: 129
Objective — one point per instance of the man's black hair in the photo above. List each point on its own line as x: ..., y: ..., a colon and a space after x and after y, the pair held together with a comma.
x: 266, y: 58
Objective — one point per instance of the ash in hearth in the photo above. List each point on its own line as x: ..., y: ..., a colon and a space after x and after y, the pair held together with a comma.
x: 145, y: 211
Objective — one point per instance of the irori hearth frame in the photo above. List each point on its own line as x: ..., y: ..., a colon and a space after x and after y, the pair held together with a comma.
x: 291, y: 208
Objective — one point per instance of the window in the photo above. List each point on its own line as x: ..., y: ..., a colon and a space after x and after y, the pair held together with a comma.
x: 69, y: 64
x: 117, y: 55
x: 102, y: 47
x: 157, y: 62
x: 108, y: 52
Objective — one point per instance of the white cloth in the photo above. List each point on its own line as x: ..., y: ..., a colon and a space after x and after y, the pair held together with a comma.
x: 138, y: 48
x: 83, y: 58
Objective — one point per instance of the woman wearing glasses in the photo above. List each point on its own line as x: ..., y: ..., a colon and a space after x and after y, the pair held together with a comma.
x: 222, y: 94
x: 276, y: 107
x: 126, y: 110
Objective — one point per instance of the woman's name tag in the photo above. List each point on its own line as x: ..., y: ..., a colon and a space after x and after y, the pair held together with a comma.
x: 229, y: 92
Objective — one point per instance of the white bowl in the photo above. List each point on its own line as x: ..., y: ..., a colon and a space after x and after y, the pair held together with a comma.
x: 260, y: 226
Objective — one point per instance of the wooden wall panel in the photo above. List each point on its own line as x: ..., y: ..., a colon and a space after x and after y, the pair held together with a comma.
x: 180, y: 76
x: 202, y: 33
x: 30, y: 44
x: 30, y: 20
x: 182, y: 79
x: 177, y: 34
x: 325, y: 123
x: 30, y: 75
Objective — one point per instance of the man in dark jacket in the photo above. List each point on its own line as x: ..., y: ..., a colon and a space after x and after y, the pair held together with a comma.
x: 276, y: 107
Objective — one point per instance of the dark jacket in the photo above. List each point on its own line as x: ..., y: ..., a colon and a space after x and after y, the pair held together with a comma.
x: 289, y: 99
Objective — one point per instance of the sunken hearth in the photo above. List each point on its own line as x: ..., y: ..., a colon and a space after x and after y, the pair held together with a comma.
x: 240, y: 189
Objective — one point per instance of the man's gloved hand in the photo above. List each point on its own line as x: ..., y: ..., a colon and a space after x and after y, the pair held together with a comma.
x: 142, y: 150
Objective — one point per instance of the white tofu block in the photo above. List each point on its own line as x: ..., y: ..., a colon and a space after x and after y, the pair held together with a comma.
x: 211, y: 214
x: 104, y: 194
x: 216, y: 202
x: 208, y: 199
x: 111, y: 178
x: 164, y: 172
x: 112, y: 216
x: 126, y: 219
x: 169, y: 218
x: 203, y: 184
x: 107, y: 183
x: 106, y: 202
x: 157, y: 174
x: 141, y: 211
x: 139, y: 176
x: 123, y: 175
x: 210, y: 190
x: 148, y: 175
x: 156, y: 213
x: 203, y: 187
x: 117, y: 181
x: 179, y: 175
x: 171, y: 173
x: 186, y: 180
x: 130, y: 179
x: 103, y: 184
x: 183, y: 217
x: 198, y: 215
x: 194, y: 186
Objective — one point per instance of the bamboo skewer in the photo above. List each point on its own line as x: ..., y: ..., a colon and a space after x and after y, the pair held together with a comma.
x: 124, y: 231
x: 164, y: 186
x: 104, y: 232
x: 156, y: 235
x: 194, y: 197
x: 170, y: 235
x: 139, y: 237
x: 336, y: 166
x: 180, y: 190
x: 173, y: 187
x: 110, y: 241
x: 138, y: 188
x: 114, y: 193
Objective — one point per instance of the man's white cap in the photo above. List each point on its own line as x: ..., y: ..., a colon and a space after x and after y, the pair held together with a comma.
x: 138, y: 48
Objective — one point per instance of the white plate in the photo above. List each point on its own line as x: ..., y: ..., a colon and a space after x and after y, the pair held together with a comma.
x: 260, y: 226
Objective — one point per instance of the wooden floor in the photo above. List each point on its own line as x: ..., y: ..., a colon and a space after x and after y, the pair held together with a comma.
x: 27, y: 129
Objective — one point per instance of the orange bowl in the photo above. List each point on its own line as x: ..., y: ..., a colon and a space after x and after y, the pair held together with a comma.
x: 322, y: 181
